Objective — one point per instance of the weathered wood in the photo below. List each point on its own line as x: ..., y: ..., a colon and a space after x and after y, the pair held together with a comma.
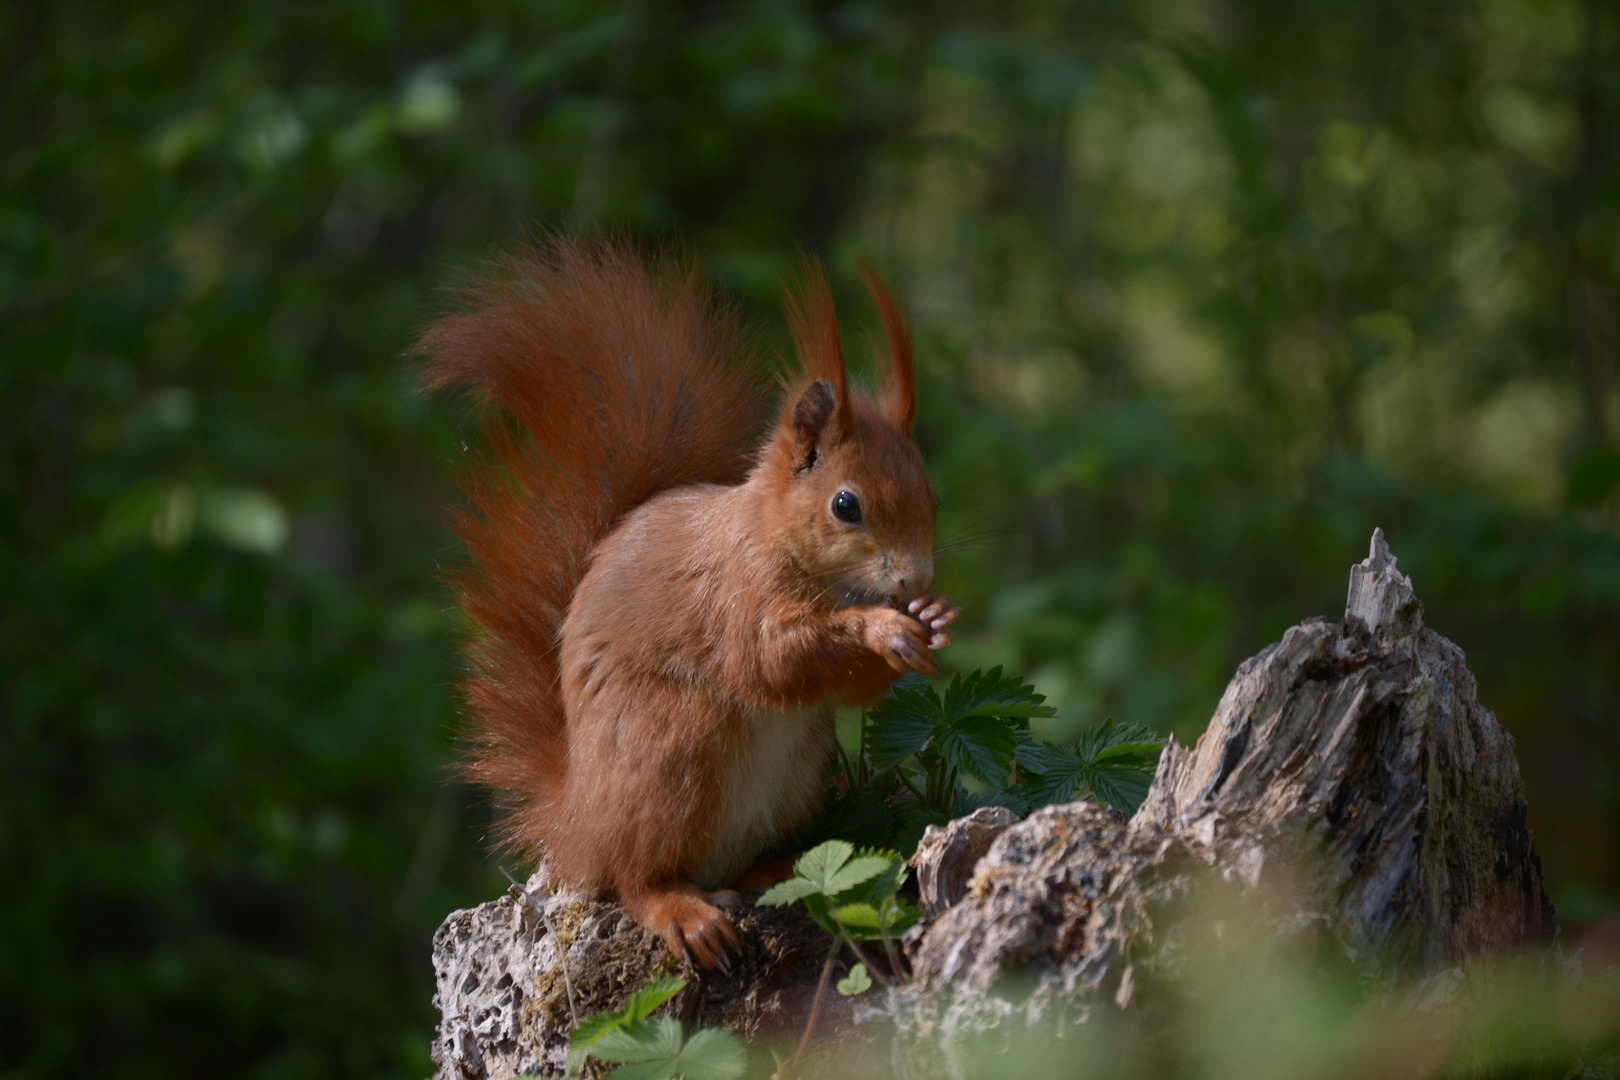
x: 1350, y: 784
x: 504, y: 1001
x: 1350, y: 781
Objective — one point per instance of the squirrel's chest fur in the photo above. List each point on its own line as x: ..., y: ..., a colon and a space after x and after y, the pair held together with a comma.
x: 776, y: 787
x: 666, y: 748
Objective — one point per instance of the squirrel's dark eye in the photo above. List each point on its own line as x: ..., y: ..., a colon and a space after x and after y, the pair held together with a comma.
x: 846, y: 507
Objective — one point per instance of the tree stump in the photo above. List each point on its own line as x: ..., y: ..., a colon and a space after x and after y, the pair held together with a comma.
x: 1350, y: 787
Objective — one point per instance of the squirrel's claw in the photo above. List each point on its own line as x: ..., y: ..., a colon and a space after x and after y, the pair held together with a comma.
x: 714, y: 942
x: 691, y: 925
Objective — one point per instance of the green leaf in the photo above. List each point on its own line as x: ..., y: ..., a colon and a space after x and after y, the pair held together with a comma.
x: 904, y: 917
x: 1112, y: 739
x: 862, y: 916
x: 637, y: 1007
x: 866, y: 921
x: 789, y: 891
x: 820, y: 909
x: 661, y: 1069
x: 881, y: 886
x: 649, y: 997
x: 856, y: 982
x: 989, y: 694
x: 713, y: 1054
x: 1055, y: 774
x: 900, y: 724
x: 1114, y: 762
x: 657, y: 1039
x: 980, y: 746
x: 863, y: 869
x: 1122, y: 788
x: 826, y: 872
x: 821, y: 862
x: 591, y: 1029
x: 658, y: 1050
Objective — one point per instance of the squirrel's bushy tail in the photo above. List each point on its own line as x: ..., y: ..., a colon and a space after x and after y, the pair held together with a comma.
x: 603, y: 379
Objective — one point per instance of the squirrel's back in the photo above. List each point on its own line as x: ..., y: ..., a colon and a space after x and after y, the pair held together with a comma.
x: 603, y: 380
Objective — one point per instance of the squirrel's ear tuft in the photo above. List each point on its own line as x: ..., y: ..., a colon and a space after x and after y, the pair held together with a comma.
x: 816, y: 405
x: 899, y: 401
x: 814, y: 322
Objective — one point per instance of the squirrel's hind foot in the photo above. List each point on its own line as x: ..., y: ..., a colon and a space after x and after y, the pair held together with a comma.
x: 690, y: 924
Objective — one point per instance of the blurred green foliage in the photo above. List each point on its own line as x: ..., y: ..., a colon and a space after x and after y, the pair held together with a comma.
x: 1205, y: 289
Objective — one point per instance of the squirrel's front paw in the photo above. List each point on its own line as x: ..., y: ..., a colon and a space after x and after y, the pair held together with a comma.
x: 902, y: 641
x: 936, y: 613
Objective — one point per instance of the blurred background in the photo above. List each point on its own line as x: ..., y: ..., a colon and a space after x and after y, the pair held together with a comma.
x: 1204, y: 289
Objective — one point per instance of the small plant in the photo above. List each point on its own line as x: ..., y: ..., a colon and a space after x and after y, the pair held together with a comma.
x: 920, y: 747
x: 856, y: 982
x: 854, y: 898
x: 646, y: 1047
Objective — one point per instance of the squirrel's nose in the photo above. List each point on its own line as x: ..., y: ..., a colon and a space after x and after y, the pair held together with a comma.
x: 912, y: 578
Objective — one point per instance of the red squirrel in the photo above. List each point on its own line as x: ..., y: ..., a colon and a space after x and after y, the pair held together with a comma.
x: 665, y: 609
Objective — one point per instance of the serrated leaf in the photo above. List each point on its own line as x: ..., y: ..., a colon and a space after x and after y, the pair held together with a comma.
x: 589, y: 1031
x: 1056, y: 773
x: 1122, y: 788
x: 980, y: 746
x: 712, y: 1054
x: 883, y: 885
x: 638, y: 1006
x: 649, y: 997
x: 789, y: 891
x: 659, y: 1049
x: 856, y: 982
x: 866, y: 922
x: 861, y: 916
x: 911, y: 680
x: 987, y: 693
x: 905, y: 917
x: 649, y: 1040
x: 1129, y: 738
x: 900, y: 724
x: 854, y: 873
x: 821, y: 862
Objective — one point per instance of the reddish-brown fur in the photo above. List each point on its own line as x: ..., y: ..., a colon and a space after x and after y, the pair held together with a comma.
x: 665, y: 617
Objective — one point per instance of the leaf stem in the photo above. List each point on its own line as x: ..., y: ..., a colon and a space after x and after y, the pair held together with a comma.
x: 815, y: 1006
x: 901, y: 773
x: 894, y: 959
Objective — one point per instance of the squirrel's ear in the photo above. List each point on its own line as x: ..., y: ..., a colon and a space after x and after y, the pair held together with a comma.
x: 814, y: 322
x: 811, y: 413
x: 899, y: 400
